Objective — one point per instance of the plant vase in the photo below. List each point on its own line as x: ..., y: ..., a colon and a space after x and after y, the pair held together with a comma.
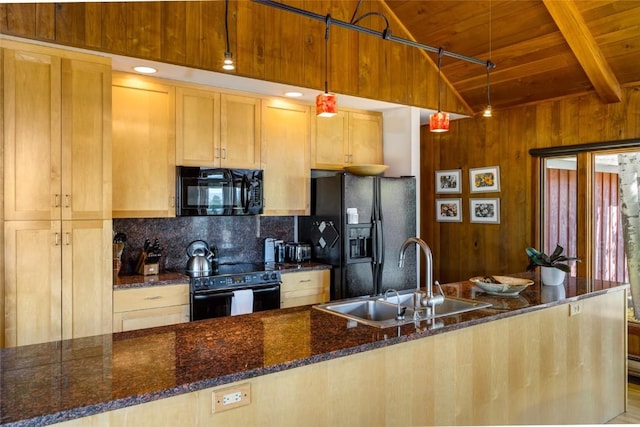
x: 552, y: 276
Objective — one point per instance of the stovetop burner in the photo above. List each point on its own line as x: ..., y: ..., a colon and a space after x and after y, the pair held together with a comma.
x: 231, y: 275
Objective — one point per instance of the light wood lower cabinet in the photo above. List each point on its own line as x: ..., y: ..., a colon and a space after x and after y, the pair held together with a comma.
x: 139, y: 308
x: 57, y: 280
x: 304, y: 287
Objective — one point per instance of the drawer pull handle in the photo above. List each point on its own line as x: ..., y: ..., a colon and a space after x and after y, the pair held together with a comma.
x: 306, y: 280
x: 155, y: 297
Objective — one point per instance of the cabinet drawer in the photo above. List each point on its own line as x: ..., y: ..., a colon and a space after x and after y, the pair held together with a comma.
x: 304, y: 287
x: 149, y: 318
x: 150, y: 297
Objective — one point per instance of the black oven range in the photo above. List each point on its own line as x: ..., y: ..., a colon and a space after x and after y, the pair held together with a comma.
x: 217, y: 295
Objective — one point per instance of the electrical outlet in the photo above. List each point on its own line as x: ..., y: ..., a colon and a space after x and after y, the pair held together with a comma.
x: 575, y: 308
x: 231, y: 397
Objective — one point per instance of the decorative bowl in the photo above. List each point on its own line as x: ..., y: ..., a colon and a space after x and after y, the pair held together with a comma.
x: 506, y: 286
x: 366, y: 170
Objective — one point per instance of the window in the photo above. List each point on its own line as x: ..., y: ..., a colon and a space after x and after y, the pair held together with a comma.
x: 580, y: 206
x: 560, y: 205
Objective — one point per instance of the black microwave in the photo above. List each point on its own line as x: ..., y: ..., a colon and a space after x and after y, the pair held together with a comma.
x: 218, y: 191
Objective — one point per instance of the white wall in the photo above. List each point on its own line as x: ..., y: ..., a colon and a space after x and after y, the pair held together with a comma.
x: 401, y: 136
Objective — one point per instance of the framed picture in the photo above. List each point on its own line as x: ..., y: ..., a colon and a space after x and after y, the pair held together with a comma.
x: 485, y: 180
x: 449, y: 210
x: 485, y: 210
x: 449, y: 181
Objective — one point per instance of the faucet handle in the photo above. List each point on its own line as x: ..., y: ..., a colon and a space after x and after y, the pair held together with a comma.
x: 439, y: 288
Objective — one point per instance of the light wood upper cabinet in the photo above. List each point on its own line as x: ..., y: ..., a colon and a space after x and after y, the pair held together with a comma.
x: 57, y: 136
x: 144, y: 150
x: 32, y: 161
x: 57, y: 280
x: 365, y: 138
x: 240, y: 131
x: 349, y: 137
x: 285, y: 158
x: 217, y: 130
x: 197, y: 127
x: 330, y: 147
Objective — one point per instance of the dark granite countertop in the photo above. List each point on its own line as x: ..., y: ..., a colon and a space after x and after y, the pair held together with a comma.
x: 58, y: 381
x: 172, y: 278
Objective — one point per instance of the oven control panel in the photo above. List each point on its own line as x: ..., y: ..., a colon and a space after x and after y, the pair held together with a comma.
x: 234, y: 280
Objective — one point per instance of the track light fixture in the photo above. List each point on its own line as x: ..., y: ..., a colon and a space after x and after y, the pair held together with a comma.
x: 326, y: 103
x: 439, y: 120
x: 227, y: 64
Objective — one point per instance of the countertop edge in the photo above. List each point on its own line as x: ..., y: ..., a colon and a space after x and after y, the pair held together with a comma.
x: 120, y: 403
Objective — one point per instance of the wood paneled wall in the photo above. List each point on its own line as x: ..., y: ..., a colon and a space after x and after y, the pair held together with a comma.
x: 463, y: 250
x: 267, y: 44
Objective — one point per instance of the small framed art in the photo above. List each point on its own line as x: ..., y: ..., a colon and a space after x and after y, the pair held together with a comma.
x: 485, y: 180
x: 449, y: 210
x: 449, y: 181
x: 485, y: 210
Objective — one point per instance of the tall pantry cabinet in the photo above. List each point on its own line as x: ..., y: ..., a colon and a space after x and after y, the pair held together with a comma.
x: 57, y: 194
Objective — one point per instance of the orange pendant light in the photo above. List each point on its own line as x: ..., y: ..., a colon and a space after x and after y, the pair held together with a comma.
x: 326, y: 104
x: 439, y: 122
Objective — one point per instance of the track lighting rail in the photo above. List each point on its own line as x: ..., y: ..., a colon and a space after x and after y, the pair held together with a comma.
x: 386, y: 34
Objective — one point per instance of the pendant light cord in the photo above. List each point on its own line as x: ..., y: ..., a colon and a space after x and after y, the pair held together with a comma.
x: 439, y: 76
x: 226, y: 21
x: 326, y: 53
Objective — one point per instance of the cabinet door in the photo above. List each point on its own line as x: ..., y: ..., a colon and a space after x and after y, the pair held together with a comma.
x: 86, y: 140
x: 143, y: 148
x: 31, y: 135
x: 285, y: 157
x: 365, y: 138
x: 240, y: 131
x: 86, y: 278
x: 32, y: 282
x: 331, y: 141
x: 197, y: 127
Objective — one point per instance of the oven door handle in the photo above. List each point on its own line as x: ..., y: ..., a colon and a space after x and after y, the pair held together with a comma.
x: 271, y: 289
x: 207, y: 294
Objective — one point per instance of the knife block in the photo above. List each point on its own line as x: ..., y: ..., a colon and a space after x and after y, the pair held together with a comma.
x: 147, y: 266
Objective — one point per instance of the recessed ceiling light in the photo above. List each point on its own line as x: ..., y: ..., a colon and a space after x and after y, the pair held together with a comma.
x: 293, y: 94
x: 145, y: 70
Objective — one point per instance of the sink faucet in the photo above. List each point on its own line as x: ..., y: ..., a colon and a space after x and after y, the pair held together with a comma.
x: 401, y: 310
x: 421, y: 299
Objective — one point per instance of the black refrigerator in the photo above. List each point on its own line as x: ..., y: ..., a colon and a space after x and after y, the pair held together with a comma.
x: 363, y: 252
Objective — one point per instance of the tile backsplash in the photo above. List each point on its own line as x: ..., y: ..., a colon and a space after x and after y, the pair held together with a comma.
x: 237, y: 238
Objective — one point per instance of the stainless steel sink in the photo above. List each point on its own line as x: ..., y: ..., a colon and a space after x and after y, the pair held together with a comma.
x: 381, y: 313
x: 450, y: 306
x: 369, y: 311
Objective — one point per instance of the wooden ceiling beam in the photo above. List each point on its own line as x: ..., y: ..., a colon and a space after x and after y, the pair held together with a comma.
x: 574, y: 29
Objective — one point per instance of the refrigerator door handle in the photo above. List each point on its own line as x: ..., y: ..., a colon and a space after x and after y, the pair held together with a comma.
x: 379, y: 242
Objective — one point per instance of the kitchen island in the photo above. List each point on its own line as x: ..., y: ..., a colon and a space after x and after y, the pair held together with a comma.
x: 552, y: 355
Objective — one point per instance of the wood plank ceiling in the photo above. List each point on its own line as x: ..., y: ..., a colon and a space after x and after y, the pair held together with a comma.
x: 543, y: 49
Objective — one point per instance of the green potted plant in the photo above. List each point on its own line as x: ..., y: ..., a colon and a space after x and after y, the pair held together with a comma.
x: 553, y: 268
